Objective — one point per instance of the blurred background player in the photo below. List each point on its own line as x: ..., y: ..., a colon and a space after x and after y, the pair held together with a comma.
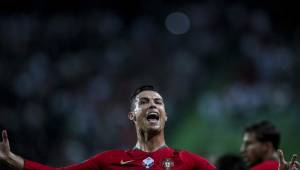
x: 149, y: 116
x: 259, y: 148
x: 260, y: 144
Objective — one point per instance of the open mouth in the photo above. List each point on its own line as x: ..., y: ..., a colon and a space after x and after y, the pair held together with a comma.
x: 153, y: 117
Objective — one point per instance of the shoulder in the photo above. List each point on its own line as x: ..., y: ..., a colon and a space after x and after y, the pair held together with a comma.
x: 105, y: 157
x: 189, y: 155
x: 270, y: 165
x: 196, y: 160
x: 111, y: 153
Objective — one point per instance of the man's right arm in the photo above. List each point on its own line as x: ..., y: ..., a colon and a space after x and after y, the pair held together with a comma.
x: 18, y: 162
x: 7, y: 156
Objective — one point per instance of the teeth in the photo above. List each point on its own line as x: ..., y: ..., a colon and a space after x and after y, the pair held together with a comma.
x: 153, y: 113
x: 153, y: 116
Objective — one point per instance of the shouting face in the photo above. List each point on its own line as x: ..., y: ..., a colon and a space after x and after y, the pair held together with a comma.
x: 149, y: 113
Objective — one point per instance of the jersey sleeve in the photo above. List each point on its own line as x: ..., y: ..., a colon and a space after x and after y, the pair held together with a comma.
x: 94, y: 163
x: 203, y: 164
x: 197, y: 162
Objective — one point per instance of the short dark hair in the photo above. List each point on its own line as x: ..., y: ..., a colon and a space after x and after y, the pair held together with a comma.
x: 265, y: 131
x: 138, y: 91
x: 230, y: 162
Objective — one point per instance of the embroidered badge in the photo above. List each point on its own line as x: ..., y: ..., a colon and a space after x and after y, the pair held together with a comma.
x: 168, y: 164
x: 148, y: 162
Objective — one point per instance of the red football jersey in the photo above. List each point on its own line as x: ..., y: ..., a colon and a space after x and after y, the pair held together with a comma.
x: 162, y: 159
x: 266, y: 165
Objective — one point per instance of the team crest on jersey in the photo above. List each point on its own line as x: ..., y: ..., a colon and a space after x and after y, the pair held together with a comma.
x: 168, y: 164
x: 148, y: 162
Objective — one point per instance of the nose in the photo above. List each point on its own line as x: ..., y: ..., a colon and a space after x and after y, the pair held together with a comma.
x: 152, y: 106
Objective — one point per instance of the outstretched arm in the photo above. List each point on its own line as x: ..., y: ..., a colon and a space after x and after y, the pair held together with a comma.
x: 7, y: 156
x: 284, y: 165
x: 17, y: 162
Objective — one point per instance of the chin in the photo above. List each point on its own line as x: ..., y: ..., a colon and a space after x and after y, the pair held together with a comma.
x: 154, y: 129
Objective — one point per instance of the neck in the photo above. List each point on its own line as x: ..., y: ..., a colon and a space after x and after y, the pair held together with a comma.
x: 271, y: 156
x: 150, y: 142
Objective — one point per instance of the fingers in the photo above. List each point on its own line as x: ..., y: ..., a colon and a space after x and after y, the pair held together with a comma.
x: 297, y: 164
x: 294, y: 164
x: 4, y: 136
x: 281, y: 156
x: 294, y: 158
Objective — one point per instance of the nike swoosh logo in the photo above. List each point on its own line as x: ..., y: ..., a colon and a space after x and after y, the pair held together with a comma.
x: 125, y: 162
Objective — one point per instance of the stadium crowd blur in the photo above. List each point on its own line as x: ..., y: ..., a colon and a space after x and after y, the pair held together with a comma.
x: 66, y: 73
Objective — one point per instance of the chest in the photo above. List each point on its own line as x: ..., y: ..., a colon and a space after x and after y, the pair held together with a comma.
x: 148, y: 162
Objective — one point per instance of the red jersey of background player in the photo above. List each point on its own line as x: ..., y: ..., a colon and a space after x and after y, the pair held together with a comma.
x: 163, y: 159
x: 266, y: 165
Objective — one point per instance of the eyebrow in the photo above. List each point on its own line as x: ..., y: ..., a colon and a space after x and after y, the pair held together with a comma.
x: 158, y: 99
x: 147, y: 98
x: 144, y: 98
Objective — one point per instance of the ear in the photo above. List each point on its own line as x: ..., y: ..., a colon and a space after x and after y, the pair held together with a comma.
x: 166, y: 116
x: 266, y: 146
x: 269, y: 146
x: 131, y: 116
